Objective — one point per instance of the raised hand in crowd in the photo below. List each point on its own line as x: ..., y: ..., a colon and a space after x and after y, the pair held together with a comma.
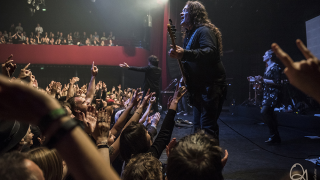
x: 124, y: 65
x: 89, y: 119
x: 155, y: 119
x: 304, y: 74
x: 91, y: 165
x: 24, y: 73
x: 178, y: 94
x: 171, y: 145
x: 94, y: 70
x: 8, y: 67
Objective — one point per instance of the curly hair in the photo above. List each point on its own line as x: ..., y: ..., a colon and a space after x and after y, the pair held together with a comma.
x: 199, y: 17
x: 143, y: 167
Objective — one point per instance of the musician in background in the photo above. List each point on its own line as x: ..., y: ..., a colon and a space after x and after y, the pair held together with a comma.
x: 151, y: 79
x: 206, y: 77
x: 271, y: 92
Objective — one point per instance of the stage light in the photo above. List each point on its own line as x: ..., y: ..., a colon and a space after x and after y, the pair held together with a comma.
x: 44, y: 9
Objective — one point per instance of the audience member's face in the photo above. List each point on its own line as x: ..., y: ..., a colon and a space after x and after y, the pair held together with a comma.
x: 110, y: 41
x: 20, y: 24
x: 81, y: 104
x: 84, y: 33
x: 90, y: 35
x: 34, y: 169
x: 5, y: 32
x: 9, y: 33
x: 95, y: 33
x: 38, y: 25
x: 61, y: 34
x: 12, y: 25
x: 104, y: 34
x: 107, y: 98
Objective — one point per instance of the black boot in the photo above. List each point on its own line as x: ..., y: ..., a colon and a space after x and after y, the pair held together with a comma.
x: 275, y: 138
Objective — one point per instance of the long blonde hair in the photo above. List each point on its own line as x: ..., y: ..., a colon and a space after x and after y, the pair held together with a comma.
x: 49, y: 162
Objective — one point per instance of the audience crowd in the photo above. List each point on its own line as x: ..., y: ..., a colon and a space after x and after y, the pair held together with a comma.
x: 16, y: 35
x: 72, y: 131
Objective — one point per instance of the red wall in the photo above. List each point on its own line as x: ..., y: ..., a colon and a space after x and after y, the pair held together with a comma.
x: 74, y: 55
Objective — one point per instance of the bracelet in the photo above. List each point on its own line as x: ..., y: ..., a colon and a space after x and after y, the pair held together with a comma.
x: 65, y: 128
x: 47, y: 120
x: 103, y: 146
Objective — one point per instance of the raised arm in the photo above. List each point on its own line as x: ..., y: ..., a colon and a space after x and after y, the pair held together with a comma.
x: 71, y: 88
x: 83, y: 159
x: 92, y: 89
x: 303, y: 74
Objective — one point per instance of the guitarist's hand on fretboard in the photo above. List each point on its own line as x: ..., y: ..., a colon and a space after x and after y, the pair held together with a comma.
x: 176, y: 52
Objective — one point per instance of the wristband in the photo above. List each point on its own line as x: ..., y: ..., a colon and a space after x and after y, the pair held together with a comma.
x: 47, y: 120
x: 65, y: 128
x: 103, y: 146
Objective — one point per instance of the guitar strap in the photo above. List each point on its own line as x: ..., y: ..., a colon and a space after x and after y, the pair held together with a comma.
x: 190, y: 41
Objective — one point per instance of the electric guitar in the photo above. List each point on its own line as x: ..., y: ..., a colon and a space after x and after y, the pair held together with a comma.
x: 185, y: 78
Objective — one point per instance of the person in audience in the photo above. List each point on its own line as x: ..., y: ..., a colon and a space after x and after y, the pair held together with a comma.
x: 46, y: 35
x: 84, y: 37
x: 27, y: 41
x: 95, y: 36
x: 134, y: 139
x: 102, y: 43
x: 58, y: 42
x: 110, y: 43
x: 5, y: 34
x: 111, y: 37
x: 88, y: 42
x: 95, y: 43
x: 142, y: 167
x: 49, y: 161
x: 70, y: 41
x: 3, y: 40
x: 12, y: 29
x: 61, y: 36
x: 15, y: 38
x: 57, y: 35
x: 77, y: 36
x: 91, y: 38
x: 22, y: 38
x: 65, y: 42
x: 93, y: 164
x: 16, y: 165
x: 52, y: 41
x: 196, y: 156
x: 32, y: 35
x: 33, y: 41
x: 103, y: 38
x: 38, y: 29
x: 19, y: 29
x: 13, y: 142
x: 303, y: 74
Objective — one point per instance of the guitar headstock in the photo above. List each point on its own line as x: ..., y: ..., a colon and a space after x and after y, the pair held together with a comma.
x: 172, y: 30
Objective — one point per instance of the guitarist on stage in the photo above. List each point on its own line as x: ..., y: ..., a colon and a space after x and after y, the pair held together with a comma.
x: 204, y: 71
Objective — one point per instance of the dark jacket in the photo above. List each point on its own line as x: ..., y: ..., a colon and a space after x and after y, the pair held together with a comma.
x: 152, y: 76
x: 202, y: 62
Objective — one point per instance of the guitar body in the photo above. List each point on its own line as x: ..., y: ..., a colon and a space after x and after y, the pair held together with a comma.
x: 190, y: 95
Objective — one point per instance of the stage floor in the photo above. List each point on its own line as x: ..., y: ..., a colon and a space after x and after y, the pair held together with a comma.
x: 249, y: 157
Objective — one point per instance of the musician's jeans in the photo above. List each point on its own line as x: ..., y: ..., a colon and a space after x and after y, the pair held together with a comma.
x: 207, y: 108
x: 183, y: 105
x: 270, y: 119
